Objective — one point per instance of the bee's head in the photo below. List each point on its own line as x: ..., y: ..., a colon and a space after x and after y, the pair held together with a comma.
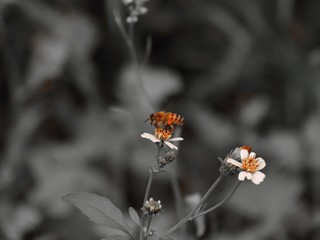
x: 150, y: 119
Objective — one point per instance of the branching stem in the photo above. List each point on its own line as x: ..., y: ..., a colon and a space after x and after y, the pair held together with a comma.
x: 194, y: 210
x: 217, y: 205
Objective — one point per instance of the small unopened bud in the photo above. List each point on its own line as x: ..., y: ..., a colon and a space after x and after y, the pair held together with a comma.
x: 170, y: 156
x: 132, y: 19
x: 162, y: 162
x: 152, y: 207
x: 235, y: 154
x: 227, y: 169
x: 142, y: 10
x: 150, y: 233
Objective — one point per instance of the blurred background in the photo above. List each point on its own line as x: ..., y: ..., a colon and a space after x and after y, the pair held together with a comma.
x: 241, y: 72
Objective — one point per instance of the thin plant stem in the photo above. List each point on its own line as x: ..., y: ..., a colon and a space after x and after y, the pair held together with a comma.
x: 146, y: 195
x: 148, y: 227
x: 147, y: 51
x: 160, y: 146
x: 217, y: 205
x: 131, y: 34
x: 129, y: 39
x: 177, y: 196
x: 147, y: 192
x: 190, y: 214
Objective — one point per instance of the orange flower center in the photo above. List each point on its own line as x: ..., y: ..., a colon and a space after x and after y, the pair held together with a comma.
x: 250, y: 164
x: 163, y: 134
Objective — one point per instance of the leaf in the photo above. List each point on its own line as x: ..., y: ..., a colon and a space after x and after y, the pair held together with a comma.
x: 165, y: 238
x: 99, y: 210
x: 134, y: 216
x: 116, y: 237
x: 110, y: 233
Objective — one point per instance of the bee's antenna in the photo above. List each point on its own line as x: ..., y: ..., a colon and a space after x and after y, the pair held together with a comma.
x: 146, y: 120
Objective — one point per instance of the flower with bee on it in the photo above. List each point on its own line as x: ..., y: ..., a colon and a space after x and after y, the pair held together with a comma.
x: 164, y: 136
x: 249, y: 165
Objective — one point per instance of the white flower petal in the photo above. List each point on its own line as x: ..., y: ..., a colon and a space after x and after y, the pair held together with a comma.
x: 234, y: 162
x: 150, y: 137
x: 170, y: 145
x: 258, y: 177
x: 261, y: 163
x: 252, y: 155
x: 249, y: 175
x: 242, y: 175
x: 244, y: 153
x: 147, y: 135
x: 175, y: 139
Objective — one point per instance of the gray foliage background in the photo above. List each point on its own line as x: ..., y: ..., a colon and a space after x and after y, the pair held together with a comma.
x: 71, y: 113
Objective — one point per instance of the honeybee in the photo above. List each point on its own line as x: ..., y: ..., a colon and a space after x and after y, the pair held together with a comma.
x: 165, y: 120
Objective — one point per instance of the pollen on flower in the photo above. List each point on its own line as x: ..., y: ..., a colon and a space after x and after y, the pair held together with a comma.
x: 250, y: 164
x: 163, y: 134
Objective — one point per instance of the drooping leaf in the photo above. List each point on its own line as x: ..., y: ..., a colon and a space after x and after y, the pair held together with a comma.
x: 99, y: 210
x: 134, y: 216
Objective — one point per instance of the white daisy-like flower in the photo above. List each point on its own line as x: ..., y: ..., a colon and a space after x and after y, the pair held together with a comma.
x: 250, y: 165
x: 168, y: 141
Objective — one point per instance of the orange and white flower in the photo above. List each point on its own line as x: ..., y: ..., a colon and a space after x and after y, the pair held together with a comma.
x: 250, y: 166
x: 162, y: 135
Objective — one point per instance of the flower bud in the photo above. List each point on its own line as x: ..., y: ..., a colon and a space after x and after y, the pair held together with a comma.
x: 227, y: 169
x: 152, y: 207
x: 170, y: 156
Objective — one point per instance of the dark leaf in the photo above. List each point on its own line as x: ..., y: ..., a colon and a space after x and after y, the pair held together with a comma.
x: 99, y: 210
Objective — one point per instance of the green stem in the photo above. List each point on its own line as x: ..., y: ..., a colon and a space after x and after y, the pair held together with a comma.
x: 217, y: 205
x: 190, y: 214
x: 131, y: 34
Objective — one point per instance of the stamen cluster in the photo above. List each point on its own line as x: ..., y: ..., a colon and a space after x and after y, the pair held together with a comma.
x: 163, y: 134
x: 152, y: 207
